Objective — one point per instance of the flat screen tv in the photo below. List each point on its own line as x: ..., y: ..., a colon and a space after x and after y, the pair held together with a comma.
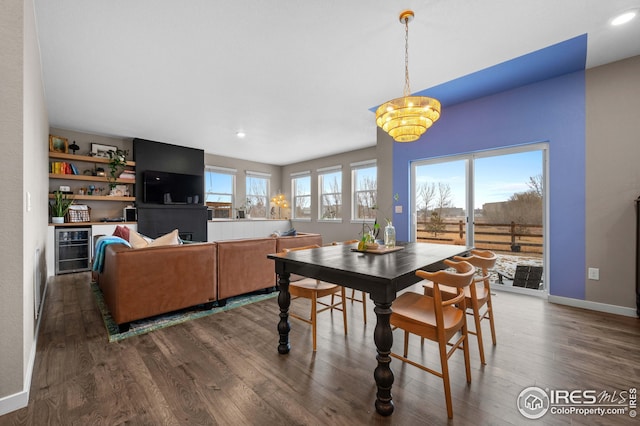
x: 172, y: 188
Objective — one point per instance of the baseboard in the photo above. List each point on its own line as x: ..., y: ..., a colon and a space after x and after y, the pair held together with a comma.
x: 21, y: 399
x: 594, y: 306
x: 520, y: 290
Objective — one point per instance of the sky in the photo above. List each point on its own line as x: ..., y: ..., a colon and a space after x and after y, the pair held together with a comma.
x: 496, y: 177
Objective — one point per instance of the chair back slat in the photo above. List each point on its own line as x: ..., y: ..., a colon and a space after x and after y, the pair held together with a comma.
x: 312, y: 246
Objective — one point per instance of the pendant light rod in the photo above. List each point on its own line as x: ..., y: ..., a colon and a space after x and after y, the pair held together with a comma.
x: 405, y: 119
x: 406, y: 17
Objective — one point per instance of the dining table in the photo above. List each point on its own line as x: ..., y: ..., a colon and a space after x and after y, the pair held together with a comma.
x: 381, y: 273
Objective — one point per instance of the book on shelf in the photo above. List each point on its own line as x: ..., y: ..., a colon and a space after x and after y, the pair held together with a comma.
x: 63, y: 168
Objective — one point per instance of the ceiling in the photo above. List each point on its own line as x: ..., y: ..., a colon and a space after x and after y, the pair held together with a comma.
x: 299, y: 77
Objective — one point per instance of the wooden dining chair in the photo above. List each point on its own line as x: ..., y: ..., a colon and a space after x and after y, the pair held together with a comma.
x: 310, y: 288
x: 477, y: 295
x: 352, y: 298
x: 437, y: 319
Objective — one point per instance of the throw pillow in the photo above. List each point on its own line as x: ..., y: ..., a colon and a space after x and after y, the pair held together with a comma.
x: 170, y: 239
x: 290, y: 233
x: 138, y: 240
x: 122, y: 232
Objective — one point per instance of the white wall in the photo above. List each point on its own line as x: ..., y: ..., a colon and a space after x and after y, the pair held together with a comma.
x: 339, y: 230
x: 24, y: 132
x: 12, y: 339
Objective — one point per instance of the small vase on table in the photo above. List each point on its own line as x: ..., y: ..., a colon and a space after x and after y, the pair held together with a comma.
x: 389, y: 235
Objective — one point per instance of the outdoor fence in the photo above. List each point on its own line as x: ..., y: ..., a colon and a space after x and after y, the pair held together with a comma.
x: 501, y: 237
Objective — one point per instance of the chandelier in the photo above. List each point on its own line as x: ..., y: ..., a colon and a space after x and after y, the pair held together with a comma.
x: 408, y: 117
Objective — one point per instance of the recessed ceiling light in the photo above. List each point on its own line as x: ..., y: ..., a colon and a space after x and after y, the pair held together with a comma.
x: 625, y: 17
x: 240, y: 134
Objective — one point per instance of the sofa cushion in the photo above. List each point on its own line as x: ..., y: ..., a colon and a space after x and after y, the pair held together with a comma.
x: 137, y: 240
x: 243, y: 266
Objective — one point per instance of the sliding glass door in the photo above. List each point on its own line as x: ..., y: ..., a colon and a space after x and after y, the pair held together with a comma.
x: 493, y: 200
x: 441, y: 200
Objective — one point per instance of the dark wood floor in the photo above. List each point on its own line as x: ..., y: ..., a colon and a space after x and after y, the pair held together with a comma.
x: 225, y: 369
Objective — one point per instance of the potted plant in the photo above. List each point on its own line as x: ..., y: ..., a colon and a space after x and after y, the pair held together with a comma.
x: 60, y: 206
x: 117, y: 162
x: 369, y: 235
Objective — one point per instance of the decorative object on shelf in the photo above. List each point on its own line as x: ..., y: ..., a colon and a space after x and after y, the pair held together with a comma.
x: 279, y: 201
x: 389, y: 235
x: 60, y: 206
x: 244, y: 211
x: 58, y: 144
x: 128, y: 174
x: 408, y: 117
x: 74, y: 147
x: 117, y: 162
x: 79, y: 213
x: 119, y: 191
x: 99, y: 150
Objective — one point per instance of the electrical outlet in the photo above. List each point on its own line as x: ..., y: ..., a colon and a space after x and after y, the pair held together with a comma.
x: 594, y: 274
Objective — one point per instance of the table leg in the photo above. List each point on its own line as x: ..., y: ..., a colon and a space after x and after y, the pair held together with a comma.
x: 383, y: 338
x: 284, y: 301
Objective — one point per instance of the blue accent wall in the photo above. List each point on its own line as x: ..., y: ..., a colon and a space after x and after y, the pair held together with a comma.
x: 550, y: 111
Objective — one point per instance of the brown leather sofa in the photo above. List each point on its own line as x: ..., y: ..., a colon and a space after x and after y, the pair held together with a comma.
x: 243, y: 266
x: 140, y: 283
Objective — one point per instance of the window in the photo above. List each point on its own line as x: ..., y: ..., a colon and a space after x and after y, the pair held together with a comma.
x: 330, y: 193
x: 364, y: 181
x: 219, y: 190
x: 301, y: 190
x: 257, y: 204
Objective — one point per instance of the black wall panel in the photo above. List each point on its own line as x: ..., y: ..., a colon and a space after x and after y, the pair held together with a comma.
x: 155, y: 220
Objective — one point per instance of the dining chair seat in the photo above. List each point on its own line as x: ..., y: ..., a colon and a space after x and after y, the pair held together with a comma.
x: 477, y: 295
x: 310, y: 288
x: 321, y: 288
x: 437, y: 319
x: 363, y: 295
x: 415, y: 312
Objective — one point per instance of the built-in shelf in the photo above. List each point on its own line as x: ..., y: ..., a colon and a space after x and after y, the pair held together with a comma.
x: 72, y: 158
x: 88, y: 178
x: 87, y: 158
x: 98, y: 197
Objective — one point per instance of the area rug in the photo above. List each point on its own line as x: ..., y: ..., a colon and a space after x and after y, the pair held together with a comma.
x: 167, y: 320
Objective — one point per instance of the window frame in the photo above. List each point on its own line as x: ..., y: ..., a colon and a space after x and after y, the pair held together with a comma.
x: 294, y: 198
x: 355, y: 168
x: 253, y: 211
x: 220, y: 171
x: 322, y: 173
